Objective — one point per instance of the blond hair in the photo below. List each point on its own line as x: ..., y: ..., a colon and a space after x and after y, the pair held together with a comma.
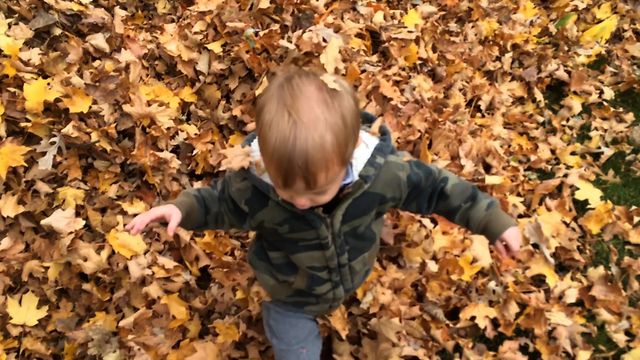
x: 305, y: 127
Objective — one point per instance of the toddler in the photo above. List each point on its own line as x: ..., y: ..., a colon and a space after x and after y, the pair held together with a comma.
x: 315, y: 195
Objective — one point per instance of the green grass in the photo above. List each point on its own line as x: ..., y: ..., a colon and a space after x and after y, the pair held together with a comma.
x: 626, y: 192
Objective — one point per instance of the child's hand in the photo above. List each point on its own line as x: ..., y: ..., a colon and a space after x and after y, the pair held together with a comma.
x: 508, y: 244
x: 169, y: 213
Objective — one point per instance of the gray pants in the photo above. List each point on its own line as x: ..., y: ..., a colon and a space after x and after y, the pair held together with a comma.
x: 293, y: 335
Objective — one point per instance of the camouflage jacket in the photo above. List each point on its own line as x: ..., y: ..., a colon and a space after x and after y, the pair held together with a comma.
x: 312, y: 261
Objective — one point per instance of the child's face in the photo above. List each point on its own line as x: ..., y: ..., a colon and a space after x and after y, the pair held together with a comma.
x: 303, y: 198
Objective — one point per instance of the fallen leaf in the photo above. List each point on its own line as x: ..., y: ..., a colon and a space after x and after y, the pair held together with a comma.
x: 338, y: 320
x: 9, y: 206
x: 126, y: 244
x: 236, y: 158
x: 412, y: 19
x: 227, y: 332
x: 37, y: 92
x: 11, y: 155
x: 26, y: 312
x: 79, y: 102
x: 178, y: 309
x: 600, y: 32
x: 69, y: 197
x: 63, y: 221
x: 331, y: 58
x: 586, y: 191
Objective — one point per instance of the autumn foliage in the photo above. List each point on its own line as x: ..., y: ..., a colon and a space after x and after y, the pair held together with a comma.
x: 108, y: 107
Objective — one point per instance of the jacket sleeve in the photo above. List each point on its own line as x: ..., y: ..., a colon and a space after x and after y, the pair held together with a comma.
x: 211, y: 207
x: 431, y: 189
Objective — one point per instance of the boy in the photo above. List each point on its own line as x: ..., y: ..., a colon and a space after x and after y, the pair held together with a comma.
x: 316, y: 195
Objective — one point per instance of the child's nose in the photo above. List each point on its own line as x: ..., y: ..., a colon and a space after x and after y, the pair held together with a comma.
x: 301, y: 203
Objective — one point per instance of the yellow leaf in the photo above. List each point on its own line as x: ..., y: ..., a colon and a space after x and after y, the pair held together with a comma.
x: 488, y: 27
x: 70, y: 196
x: 69, y: 350
x: 9, y: 206
x: 36, y: 93
x: 177, y: 307
x: 187, y: 94
x: 567, y: 158
x: 600, y: 32
x: 331, y: 58
x: 54, y: 270
x: 483, y: 314
x: 410, y: 54
x: 79, y: 102
x: 235, y: 139
x: 493, y: 179
x: 586, y: 191
x: 528, y: 10
x: 540, y: 266
x: 226, y: 332
x: 469, y: 270
x: 216, y: 46
x: 27, y: 312
x: 412, y: 19
x: 126, y: 244
x: 10, y: 46
x: 632, y: 355
x: 8, y: 69
x: 136, y: 206
x: 596, y: 219
x: 64, y: 221
x: 603, y: 11
x: 11, y: 155
x: 103, y: 319
x: 158, y: 91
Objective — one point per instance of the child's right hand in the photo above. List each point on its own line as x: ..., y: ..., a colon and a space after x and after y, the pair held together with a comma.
x: 169, y: 213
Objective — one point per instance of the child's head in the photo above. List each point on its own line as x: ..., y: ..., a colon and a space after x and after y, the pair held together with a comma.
x: 307, y: 133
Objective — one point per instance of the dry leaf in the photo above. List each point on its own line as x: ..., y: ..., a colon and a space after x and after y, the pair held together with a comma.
x: 26, y: 312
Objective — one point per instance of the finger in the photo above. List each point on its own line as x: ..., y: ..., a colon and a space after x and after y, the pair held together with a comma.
x: 501, y: 249
x: 173, y: 224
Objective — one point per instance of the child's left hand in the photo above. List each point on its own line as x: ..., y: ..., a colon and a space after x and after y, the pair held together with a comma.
x: 508, y: 244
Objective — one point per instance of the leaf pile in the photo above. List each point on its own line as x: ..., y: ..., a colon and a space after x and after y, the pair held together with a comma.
x: 109, y: 106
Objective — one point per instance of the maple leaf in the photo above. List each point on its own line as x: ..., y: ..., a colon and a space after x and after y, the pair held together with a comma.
x: 26, y: 312
x: 126, y: 244
x: 586, y: 191
x: 9, y: 206
x: 10, y: 46
x: 412, y: 19
x: 79, y: 102
x: 539, y: 265
x: 483, y: 314
x: 36, y: 93
x: 178, y: 309
x: 227, y: 332
x: 468, y: 270
x: 64, y: 221
x: 135, y: 206
x: 205, y: 350
x: 596, y: 219
x: 69, y: 197
x: 11, y: 155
